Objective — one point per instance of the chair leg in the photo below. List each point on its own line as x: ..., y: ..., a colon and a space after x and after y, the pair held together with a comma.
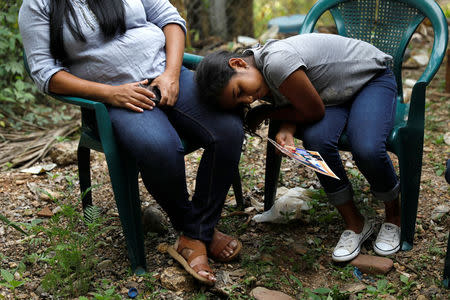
x: 84, y: 174
x: 237, y: 188
x: 410, y: 165
x: 124, y: 178
x: 273, y: 163
x: 447, y: 266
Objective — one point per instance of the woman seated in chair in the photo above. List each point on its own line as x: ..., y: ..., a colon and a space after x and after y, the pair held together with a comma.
x: 106, y: 51
x: 321, y: 84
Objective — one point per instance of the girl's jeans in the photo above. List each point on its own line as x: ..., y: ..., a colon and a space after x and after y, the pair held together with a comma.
x: 153, y: 139
x: 368, y: 120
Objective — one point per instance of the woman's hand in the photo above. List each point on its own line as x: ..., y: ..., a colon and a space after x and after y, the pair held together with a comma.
x: 168, y: 84
x: 131, y: 96
x: 285, y: 136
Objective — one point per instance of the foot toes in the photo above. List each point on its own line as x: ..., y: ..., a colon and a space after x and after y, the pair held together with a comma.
x: 233, y: 244
x: 207, y: 275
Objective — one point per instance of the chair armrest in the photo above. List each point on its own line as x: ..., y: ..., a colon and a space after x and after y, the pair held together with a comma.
x: 84, y: 103
x: 101, y: 113
x: 191, y: 61
x: 416, y: 114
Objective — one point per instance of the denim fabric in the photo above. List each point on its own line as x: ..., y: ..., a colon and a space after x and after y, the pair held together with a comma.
x: 153, y: 138
x: 368, y: 120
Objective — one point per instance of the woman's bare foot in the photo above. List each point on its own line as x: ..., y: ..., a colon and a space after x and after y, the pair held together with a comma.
x: 223, y: 247
x: 197, y: 261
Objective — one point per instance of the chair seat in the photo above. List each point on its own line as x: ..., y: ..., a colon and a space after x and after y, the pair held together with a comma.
x: 288, y: 24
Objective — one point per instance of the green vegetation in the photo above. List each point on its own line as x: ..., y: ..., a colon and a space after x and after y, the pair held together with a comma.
x: 20, y: 102
x: 17, y: 92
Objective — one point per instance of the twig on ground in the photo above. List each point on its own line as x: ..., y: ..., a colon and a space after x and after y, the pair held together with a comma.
x: 26, y: 149
x: 407, y: 266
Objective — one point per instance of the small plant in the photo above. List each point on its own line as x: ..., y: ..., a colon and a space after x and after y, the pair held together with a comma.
x: 321, y: 293
x: 383, y: 287
x: 9, y: 281
x: 151, y: 286
x: 235, y: 295
x: 71, y: 252
x: 343, y: 273
x: 408, y: 284
x: 12, y: 224
x: 109, y: 294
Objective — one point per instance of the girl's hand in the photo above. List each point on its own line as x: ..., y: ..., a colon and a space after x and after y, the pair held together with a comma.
x: 168, y: 84
x: 285, y: 136
x: 131, y: 96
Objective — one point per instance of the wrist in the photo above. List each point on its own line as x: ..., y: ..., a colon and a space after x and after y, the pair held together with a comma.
x: 288, y: 127
x: 105, y: 93
x: 173, y: 72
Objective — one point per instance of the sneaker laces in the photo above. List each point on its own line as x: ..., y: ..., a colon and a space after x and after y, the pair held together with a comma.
x: 346, y: 239
x: 387, y: 234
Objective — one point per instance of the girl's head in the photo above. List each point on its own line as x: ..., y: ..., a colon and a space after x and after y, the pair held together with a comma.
x: 230, y: 79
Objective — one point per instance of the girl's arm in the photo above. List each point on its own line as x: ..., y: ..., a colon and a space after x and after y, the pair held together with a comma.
x: 307, y: 106
x: 129, y: 95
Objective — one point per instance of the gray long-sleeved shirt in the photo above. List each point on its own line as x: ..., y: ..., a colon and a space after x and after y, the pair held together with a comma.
x: 136, y: 55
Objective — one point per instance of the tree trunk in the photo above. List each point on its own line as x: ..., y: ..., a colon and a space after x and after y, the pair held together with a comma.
x: 224, y: 18
x: 239, y: 18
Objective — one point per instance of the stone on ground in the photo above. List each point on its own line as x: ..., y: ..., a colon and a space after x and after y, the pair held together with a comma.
x: 153, y: 220
x: 176, y: 279
x: 372, y: 264
x: 261, y: 293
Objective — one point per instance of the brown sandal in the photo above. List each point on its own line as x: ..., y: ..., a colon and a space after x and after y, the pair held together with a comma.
x: 218, y: 243
x: 198, y: 249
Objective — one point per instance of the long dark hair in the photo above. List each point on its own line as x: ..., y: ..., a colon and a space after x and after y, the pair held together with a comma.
x: 109, y: 13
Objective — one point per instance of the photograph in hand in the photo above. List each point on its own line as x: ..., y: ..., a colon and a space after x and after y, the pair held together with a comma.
x: 311, y: 159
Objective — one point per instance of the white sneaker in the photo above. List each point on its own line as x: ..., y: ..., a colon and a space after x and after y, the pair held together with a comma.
x: 388, y: 239
x: 350, y: 243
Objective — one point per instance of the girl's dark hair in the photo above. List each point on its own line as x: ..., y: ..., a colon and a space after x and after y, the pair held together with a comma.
x: 110, y: 15
x: 213, y: 73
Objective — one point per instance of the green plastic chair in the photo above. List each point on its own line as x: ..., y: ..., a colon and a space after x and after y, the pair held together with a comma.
x: 446, y: 280
x: 389, y: 25
x: 123, y: 171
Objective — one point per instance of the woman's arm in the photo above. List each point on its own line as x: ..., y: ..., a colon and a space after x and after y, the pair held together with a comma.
x: 168, y: 82
x: 164, y: 15
x: 129, y: 95
x: 51, y: 76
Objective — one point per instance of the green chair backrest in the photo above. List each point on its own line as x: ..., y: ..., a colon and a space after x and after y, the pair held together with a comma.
x: 386, y: 24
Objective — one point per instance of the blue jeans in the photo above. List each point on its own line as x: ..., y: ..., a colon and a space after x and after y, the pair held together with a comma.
x: 368, y: 119
x: 153, y: 139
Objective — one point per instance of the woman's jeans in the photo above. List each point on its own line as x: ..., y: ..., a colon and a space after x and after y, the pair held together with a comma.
x: 153, y: 139
x: 367, y: 119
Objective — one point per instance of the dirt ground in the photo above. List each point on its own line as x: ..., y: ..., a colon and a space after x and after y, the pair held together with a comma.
x: 293, y: 258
